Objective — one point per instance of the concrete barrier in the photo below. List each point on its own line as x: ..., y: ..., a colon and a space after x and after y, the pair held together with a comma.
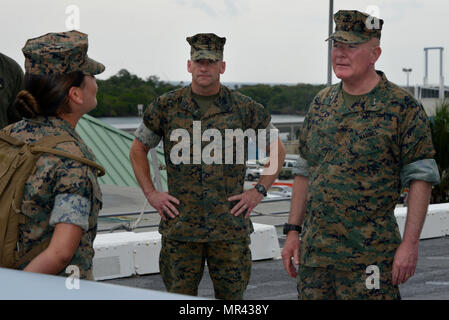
x: 124, y: 254
x: 436, y: 224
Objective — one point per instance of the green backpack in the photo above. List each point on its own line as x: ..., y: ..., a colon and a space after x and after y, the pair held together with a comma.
x: 17, y: 163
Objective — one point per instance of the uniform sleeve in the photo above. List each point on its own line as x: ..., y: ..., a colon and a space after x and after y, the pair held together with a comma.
x: 73, y: 194
x: 416, y: 146
x: 71, y: 208
x: 257, y: 116
x: 153, y: 117
x: 424, y: 170
x: 151, y: 131
x: 303, y: 149
x: 147, y: 137
x: 301, y: 168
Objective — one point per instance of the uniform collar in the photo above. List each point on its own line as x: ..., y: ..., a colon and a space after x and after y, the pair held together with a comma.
x: 220, y: 105
x: 57, y: 122
x: 369, y: 102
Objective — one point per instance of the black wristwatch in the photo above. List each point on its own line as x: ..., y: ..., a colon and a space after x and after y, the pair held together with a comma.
x: 261, y: 189
x: 291, y: 227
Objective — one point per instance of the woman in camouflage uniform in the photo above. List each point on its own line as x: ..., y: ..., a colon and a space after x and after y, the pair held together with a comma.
x: 62, y: 197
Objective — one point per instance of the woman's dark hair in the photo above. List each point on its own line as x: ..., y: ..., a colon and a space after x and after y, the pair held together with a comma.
x: 46, y: 95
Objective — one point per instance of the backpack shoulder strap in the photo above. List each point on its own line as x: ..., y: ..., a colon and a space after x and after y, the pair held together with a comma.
x: 47, y: 144
x: 53, y: 141
x: 101, y: 171
x: 10, y: 140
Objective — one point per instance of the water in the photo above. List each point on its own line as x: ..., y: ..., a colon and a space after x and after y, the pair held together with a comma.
x: 122, y: 122
x: 134, y: 122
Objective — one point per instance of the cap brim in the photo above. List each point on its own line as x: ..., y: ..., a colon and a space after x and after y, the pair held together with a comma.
x: 92, y: 67
x: 348, y: 37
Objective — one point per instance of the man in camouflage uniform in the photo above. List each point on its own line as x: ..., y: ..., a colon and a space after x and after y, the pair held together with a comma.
x: 205, y: 214
x: 61, y: 191
x: 11, y: 82
x: 361, y: 141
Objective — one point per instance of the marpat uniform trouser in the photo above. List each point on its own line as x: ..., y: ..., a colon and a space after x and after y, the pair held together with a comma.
x: 328, y: 284
x: 182, y: 264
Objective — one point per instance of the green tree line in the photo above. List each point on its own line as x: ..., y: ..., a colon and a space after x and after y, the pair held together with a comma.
x: 283, y: 99
x: 120, y: 94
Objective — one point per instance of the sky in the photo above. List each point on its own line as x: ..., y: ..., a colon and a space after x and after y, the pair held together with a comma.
x: 268, y: 41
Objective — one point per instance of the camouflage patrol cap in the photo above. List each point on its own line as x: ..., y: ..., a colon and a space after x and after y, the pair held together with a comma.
x: 59, y: 53
x: 352, y: 26
x: 206, y: 46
